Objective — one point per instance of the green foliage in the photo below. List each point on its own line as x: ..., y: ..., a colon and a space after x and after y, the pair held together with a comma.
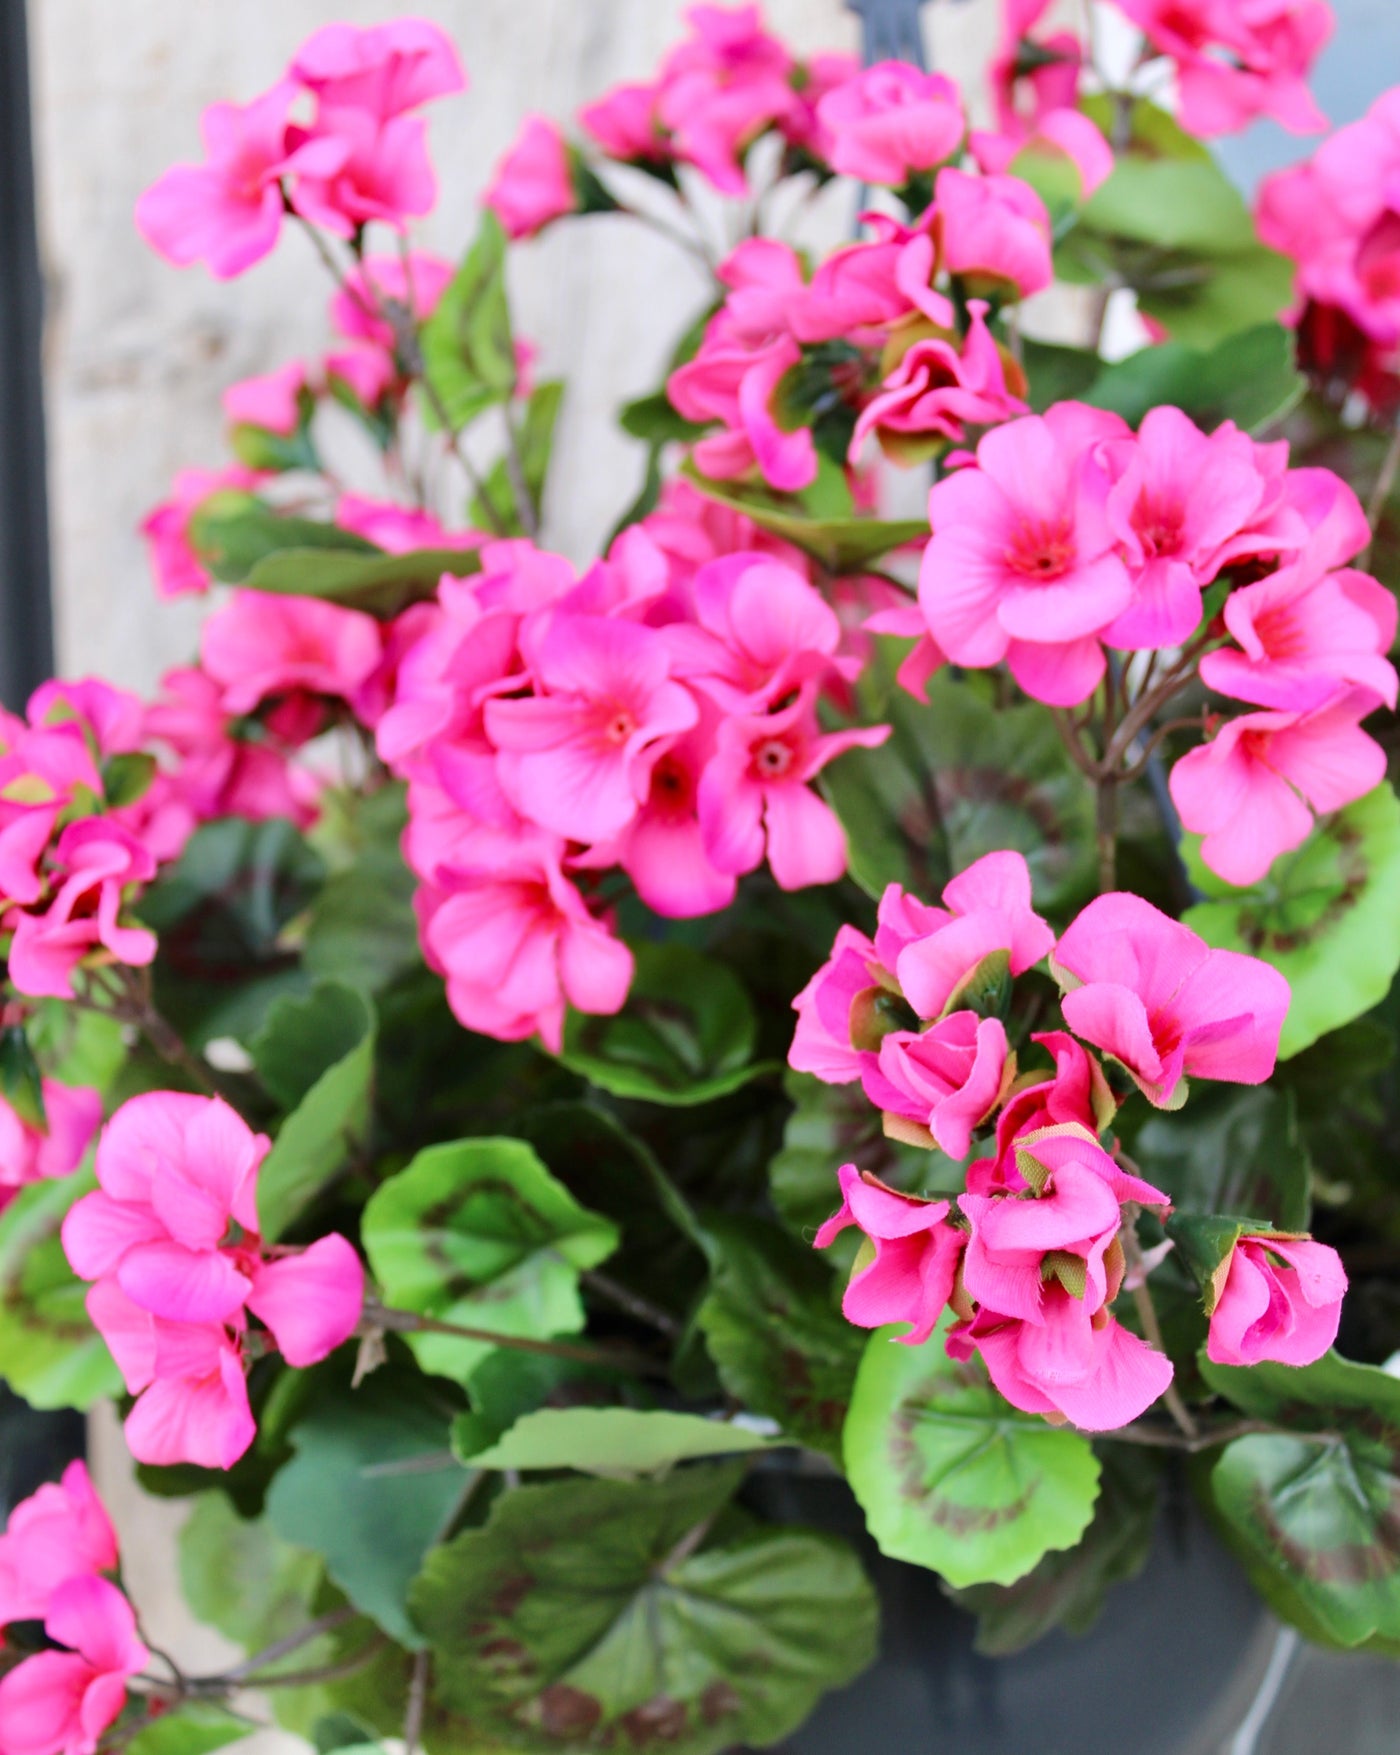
x: 317, y: 1052
x: 1311, y: 1509
x: 840, y: 544
x: 773, y: 1330
x: 372, y: 1487
x: 959, y: 778
x: 1250, y: 378
x: 951, y: 1476
x: 1069, y: 1588
x: 196, y: 1727
x: 1230, y: 1151
x: 478, y: 1233
x: 20, y: 1079
x: 496, y: 508
x: 1325, y: 916
x: 685, y: 1035
x: 617, y: 1442
x: 240, y: 1577
x: 597, y: 1613
x: 467, y: 348
x: 381, y: 585
x: 49, y: 1351
x: 362, y: 928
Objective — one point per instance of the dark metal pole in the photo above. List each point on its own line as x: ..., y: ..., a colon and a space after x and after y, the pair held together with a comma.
x: 26, y: 614
x: 891, y: 30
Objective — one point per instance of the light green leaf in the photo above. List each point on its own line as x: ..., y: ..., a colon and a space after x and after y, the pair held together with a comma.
x: 381, y: 585
x: 468, y: 352
x: 232, y: 531
x: 617, y: 1442
x: 842, y: 545
x: 1325, y: 916
x: 195, y: 1727
x: 627, y: 1621
x: 535, y: 446
x: 372, y: 1487
x: 479, y: 1233
x: 685, y: 1035
x: 951, y: 1476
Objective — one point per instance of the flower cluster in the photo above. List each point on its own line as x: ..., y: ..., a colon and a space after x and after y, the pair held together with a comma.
x: 655, y: 717
x: 54, y: 1553
x: 170, y: 1240
x: 1033, y: 1254
x: 1035, y: 85
x: 51, y: 1144
x: 335, y: 142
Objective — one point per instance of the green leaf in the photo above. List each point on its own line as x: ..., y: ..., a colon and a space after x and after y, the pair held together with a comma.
x: 372, y: 1487
x: 330, y: 1123
x: 957, y: 779
x: 951, y: 1476
x: 536, y: 442
x: 781, y: 1346
x: 1172, y: 203
x: 195, y: 1727
x: 127, y: 778
x: 232, y: 531
x: 618, y: 1442
x: 49, y: 1351
x: 76, y: 1047
x: 685, y: 1035
x: 833, y: 1125
x: 1068, y: 1589
x: 381, y: 585
x: 21, y: 1083
x: 842, y: 545
x: 1311, y: 1510
x: 594, y: 1614
x: 1325, y: 916
x: 468, y: 353
x: 1251, y: 379
x: 656, y: 419
x: 1058, y: 374
x: 1231, y: 1151
x: 479, y: 1233
x: 362, y: 928
x: 239, y: 1576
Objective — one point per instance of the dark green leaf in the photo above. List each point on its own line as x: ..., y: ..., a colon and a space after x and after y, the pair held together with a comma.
x: 232, y: 532
x: 842, y: 545
x: 1325, y: 916
x: 239, y: 1576
x: 468, y: 353
x: 772, y: 1328
x: 378, y: 584
x: 302, y: 1038
x: 1068, y: 1589
x: 593, y: 1614
x: 372, y: 1487
x: 656, y: 419
x: 1230, y: 1151
x: 127, y: 778
x: 1058, y: 374
x: 1314, y: 1510
x: 21, y: 1083
x: 617, y: 1442
x: 480, y: 1234
x: 951, y: 1476
x: 833, y: 1125
x: 685, y: 1035
x: 1251, y: 379
x: 362, y: 928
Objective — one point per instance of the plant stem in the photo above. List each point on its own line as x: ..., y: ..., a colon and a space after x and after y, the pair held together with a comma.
x: 417, y: 1702
x: 1380, y: 494
x: 525, y: 508
x: 632, y: 1302
x: 293, y: 1642
x: 1147, y: 1316
x: 380, y: 1317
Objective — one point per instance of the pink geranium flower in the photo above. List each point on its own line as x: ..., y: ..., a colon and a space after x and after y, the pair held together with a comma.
x: 177, y: 568
x: 994, y: 233
x: 722, y: 88
x: 227, y: 212
x: 380, y: 171
x: 1024, y: 565
x: 889, y: 121
x: 625, y: 124
x: 272, y: 401
x: 61, y: 1702
x: 987, y: 909
x: 98, y: 861
x: 260, y: 646
x: 1252, y: 790
x: 755, y: 796
x: 916, y: 1253
x: 385, y: 69
x: 945, y: 1080
x: 1076, y: 1094
x: 1148, y: 991
x: 1275, y: 1298
x: 534, y: 183
x: 577, y: 757
x: 60, y: 1532
x: 759, y: 631
x: 357, y: 310
x: 31, y: 1154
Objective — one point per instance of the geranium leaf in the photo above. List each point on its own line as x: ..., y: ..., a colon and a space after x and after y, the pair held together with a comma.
x: 589, y: 1614
x: 617, y: 1442
x: 951, y: 1476
x: 842, y: 545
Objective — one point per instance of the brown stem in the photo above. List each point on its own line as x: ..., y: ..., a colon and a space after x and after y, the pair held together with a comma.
x: 1165, y: 1438
x: 417, y: 1702
x: 293, y: 1642
x: 380, y: 1317
x: 1162, y: 732
x: 1380, y: 494
x: 632, y: 1302
x: 1147, y: 1316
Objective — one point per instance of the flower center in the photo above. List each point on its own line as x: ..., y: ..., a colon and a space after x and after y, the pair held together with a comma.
x: 1159, y: 528
x: 1280, y: 634
x: 619, y: 727
x: 773, y: 759
x: 670, y: 785
x: 1042, y: 552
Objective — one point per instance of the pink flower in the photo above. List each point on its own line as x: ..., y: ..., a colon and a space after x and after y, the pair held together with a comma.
x: 1024, y: 564
x: 534, y: 183
x: 988, y: 909
x: 177, y: 568
x: 61, y: 1702
x: 577, y: 757
x: 769, y: 631
x: 1077, y: 1094
x: 273, y: 401
x: 228, y: 211
x: 260, y: 646
x: 890, y: 121
x: 936, y: 392
x: 1253, y: 789
x: 385, y: 69
x: 822, y: 1043
x: 29, y: 1154
x: 1239, y: 59
x: 310, y: 1302
x: 722, y: 89
x: 357, y: 310
x: 60, y: 1532
x: 398, y: 529
x: 99, y: 861
x: 754, y: 794
x: 1179, y: 499
x: 994, y: 232
x: 515, y: 942
x: 1085, y: 1367
x: 373, y: 171
x: 1276, y: 1298
x: 624, y: 122
x: 945, y: 1080
x: 916, y: 1253
x: 1151, y: 993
